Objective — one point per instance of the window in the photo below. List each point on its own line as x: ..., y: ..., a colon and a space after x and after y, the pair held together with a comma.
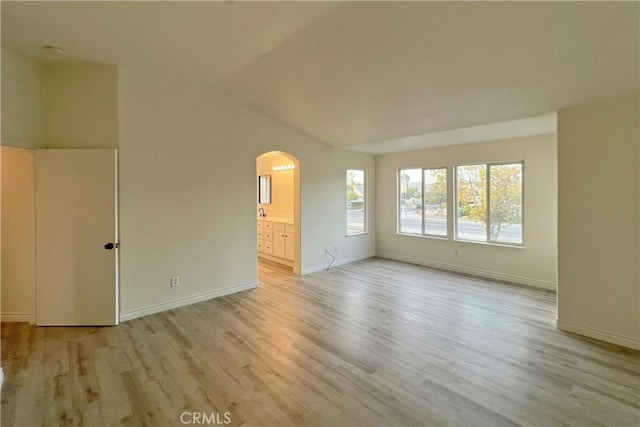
x: 422, y: 202
x: 410, y: 194
x: 489, y: 203
x: 356, y: 202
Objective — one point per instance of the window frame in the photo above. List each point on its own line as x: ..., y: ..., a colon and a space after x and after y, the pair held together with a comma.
x: 488, y: 240
x: 423, y: 231
x: 365, y: 203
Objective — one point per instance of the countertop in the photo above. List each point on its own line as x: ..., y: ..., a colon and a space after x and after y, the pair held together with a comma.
x: 279, y: 219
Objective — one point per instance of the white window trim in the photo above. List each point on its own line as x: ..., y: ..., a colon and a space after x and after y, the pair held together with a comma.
x: 487, y: 240
x: 452, y: 205
x: 398, y: 213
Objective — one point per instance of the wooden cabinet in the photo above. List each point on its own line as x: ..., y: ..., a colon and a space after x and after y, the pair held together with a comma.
x: 279, y: 244
x: 265, y: 237
x: 283, y: 240
x: 288, y: 246
x: 276, y: 239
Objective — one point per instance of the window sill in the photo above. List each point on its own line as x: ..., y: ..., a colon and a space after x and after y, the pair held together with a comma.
x: 360, y: 233
x: 424, y: 236
x: 499, y: 245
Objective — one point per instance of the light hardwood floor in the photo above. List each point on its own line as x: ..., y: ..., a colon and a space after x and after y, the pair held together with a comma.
x: 372, y: 343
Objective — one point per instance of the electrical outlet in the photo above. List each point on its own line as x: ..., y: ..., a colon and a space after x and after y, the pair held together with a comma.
x: 175, y: 281
x: 457, y: 253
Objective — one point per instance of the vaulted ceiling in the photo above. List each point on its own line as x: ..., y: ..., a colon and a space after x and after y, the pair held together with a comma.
x: 358, y: 74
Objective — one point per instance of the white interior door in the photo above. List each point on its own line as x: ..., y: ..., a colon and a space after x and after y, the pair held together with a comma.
x: 76, y: 216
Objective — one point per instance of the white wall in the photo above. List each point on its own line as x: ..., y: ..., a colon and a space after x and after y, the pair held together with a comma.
x: 187, y: 175
x: 599, y: 205
x: 282, y: 185
x: 80, y: 105
x: 534, y: 265
x: 63, y: 105
x: 22, y: 109
x: 22, y: 126
x: 188, y: 192
x: 18, y: 235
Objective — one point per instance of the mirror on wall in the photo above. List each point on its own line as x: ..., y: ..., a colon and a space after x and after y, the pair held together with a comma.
x: 264, y: 189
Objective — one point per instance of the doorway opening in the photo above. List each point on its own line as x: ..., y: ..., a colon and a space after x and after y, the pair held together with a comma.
x: 278, y: 212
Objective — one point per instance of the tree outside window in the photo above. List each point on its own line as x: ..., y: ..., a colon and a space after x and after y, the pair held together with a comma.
x: 489, y: 203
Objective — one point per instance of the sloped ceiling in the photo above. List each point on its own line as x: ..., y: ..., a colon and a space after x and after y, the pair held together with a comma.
x: 358, y: 73
x: 368, y: 72
x: 205, y: 41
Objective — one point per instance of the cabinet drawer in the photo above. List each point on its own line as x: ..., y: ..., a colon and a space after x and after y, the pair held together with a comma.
x: 260, y: 225
x: 268, y: 225
x: 277, y: 226
x: 261, y: 234
x: 268, y: 236
x: 267, y: 248
x: 289, y: 228
x: 260, y: 246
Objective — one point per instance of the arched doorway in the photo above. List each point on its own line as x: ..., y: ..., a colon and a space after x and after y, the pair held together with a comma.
x: 278, y: 209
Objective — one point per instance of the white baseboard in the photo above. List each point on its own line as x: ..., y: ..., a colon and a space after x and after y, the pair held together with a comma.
x: 157, y: 308
x: 551, y: 286
x: 338, y: 261
x: 599, y: 334
x: 16, y: 316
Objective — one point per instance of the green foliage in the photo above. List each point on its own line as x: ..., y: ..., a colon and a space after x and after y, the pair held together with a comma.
x: 463, y: 211
x: 405, y: 185
x: 472, y: 192
x: 352, y: 194
x: 355, y: 190
x: 437, y: 194
x: 506, y: 197
x: 412, y: 193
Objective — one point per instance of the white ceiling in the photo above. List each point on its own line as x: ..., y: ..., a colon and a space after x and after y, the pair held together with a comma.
x: 370, y: 76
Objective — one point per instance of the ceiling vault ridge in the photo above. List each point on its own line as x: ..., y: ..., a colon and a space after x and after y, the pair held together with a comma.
x: 281, y: 43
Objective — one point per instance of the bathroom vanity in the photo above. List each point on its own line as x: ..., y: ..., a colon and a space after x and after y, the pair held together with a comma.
x: 276, y: 237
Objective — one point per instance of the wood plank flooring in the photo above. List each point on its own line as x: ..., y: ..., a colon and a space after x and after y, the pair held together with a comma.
x: 371, y: 343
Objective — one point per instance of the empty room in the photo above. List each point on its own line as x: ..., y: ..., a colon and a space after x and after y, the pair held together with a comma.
x: 320, y: 213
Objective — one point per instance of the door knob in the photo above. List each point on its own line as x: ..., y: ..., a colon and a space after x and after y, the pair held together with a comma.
x: 110, y: 245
